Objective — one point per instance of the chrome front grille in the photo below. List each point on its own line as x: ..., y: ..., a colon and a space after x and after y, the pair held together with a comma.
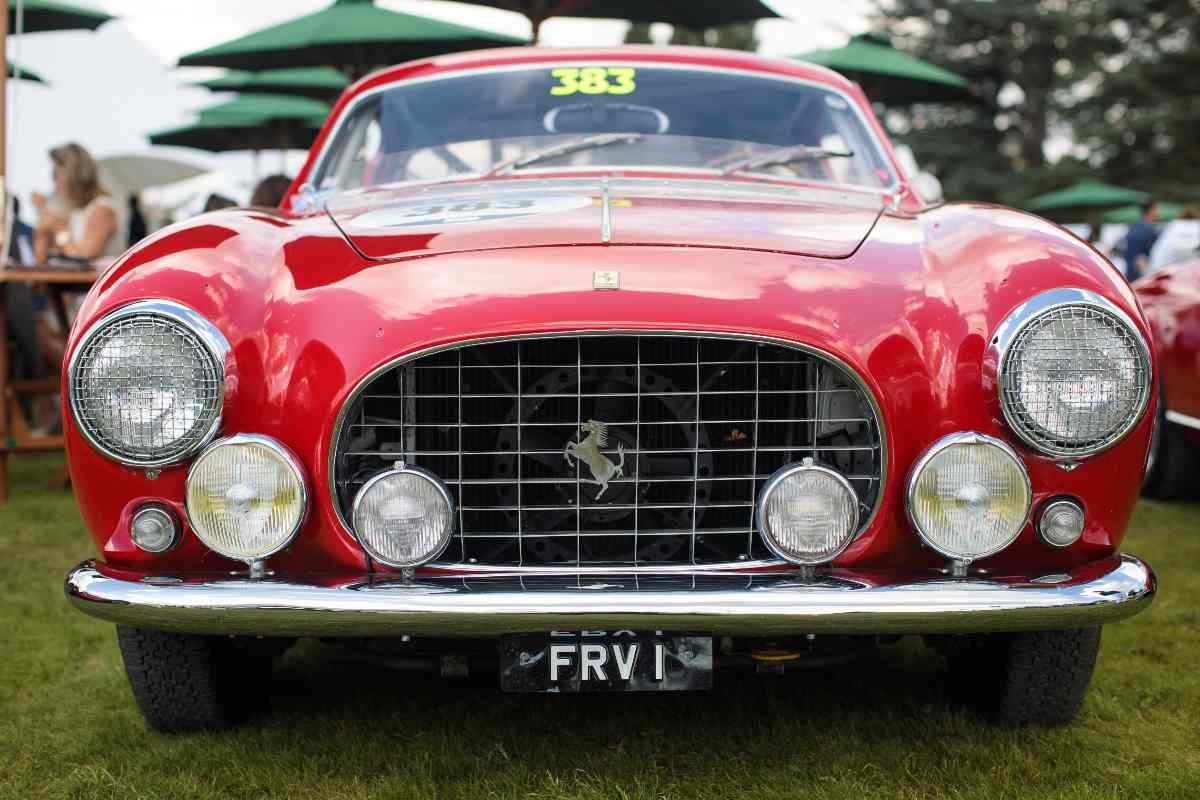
x: 528, y: 435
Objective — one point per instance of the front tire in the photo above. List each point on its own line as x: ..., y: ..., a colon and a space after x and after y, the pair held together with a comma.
x: 1035, y: 678
x: 185, y: 683
x: 1171, y: 464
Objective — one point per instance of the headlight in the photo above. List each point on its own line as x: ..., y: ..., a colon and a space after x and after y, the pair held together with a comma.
x: 807, y: 514
x: 969, y: 496
x: 246, y: 497
x: 1074, y: 373
x: 403, y: 517
x: 147, y: 382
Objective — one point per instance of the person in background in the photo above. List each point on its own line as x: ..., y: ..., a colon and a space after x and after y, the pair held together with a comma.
x: 1138, y: 242
x: 23, y: 305
x: 137, y: 222
x: 1179, y: 240
x: 84, y: 222
x: 216, y: 202
x: 270, y: 191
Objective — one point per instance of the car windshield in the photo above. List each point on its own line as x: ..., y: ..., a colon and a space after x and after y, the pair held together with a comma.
x: 602, y: 117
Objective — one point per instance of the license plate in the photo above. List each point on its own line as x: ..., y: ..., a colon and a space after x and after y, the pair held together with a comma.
x: 605, y: 661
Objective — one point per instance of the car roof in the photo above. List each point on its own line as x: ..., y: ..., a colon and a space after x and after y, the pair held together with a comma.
x: 710, y: 57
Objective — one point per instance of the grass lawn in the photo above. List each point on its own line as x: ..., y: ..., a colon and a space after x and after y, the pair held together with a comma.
x: 343, y: 729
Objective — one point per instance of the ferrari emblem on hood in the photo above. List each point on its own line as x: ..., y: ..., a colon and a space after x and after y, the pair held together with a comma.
x: 588, y: 451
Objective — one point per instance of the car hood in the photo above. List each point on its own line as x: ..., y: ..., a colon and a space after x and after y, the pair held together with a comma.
x: 385, y: 223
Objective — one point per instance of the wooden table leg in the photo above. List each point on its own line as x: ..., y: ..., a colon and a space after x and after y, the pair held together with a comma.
x: 4, y: 434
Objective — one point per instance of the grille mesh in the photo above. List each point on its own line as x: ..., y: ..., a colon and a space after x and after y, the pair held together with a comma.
x: 145, y: 387
x: 694, y: 424
x: 1075, y: 378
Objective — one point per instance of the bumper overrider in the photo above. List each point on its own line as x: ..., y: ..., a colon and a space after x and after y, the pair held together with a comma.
x: 736, y: 604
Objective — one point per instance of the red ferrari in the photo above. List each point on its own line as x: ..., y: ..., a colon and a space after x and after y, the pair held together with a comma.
x: 1170, y: 299
x: 602, y: 370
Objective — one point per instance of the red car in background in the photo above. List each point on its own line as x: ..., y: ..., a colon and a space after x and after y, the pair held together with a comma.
x: 1170, y: 299
x: 602, y: 368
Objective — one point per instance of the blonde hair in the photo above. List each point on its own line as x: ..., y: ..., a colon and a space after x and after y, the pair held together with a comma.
x: 82, y: 175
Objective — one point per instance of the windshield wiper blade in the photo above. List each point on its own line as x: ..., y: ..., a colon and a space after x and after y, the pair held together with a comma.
x: 588, y: 142
x: 784, y: 157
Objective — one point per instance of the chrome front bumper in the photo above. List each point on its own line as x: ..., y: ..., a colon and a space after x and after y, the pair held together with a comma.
x: 486, y: 606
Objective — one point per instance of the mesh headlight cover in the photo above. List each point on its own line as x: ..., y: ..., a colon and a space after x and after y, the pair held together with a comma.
x: 969, y: 496
x: 1074, y: 379
x: 146, y: 387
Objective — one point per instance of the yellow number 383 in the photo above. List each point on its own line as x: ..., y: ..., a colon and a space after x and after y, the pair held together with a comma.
x: 594, y: 80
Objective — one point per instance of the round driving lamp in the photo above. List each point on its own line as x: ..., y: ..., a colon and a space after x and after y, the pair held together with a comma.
x: 1074, y: 373
x: 1061, y: 523
x: 403, y: 517
x: 246, y: 497
x: 969, y: 496
x: 807, y: 514
x: 146, y: 384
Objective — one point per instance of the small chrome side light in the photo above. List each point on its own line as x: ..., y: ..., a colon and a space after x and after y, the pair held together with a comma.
x: 1061, y: 522
x: 154, y: 528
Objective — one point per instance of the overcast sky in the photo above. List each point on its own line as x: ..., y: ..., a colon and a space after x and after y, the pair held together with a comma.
x: 112, y: 87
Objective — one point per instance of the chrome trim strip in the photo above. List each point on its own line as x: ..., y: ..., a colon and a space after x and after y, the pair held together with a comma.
x: 1183, y: 419
x: 770, y: 486
x: 404, y: 469
x: 605, y: 215
x: 966, y: 437
x: 780, y: 604
x: 208, y: 334
x: 361, y: 386
x: 996, y: 357
x: 278, y: 449
x: 881, y: 152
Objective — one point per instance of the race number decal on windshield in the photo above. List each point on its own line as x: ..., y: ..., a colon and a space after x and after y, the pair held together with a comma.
x: 593, y: 80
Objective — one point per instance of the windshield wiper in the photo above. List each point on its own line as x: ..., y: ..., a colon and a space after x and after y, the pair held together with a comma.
x: 785, y: 157
x: 589, y: 142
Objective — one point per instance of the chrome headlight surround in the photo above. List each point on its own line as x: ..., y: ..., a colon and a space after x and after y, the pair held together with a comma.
x: 1005, y: 346
x: 197, y: 332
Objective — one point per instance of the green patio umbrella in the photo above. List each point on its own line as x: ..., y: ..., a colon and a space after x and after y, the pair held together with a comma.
x: 323, y: 83
x: 353, y: 35
x: 1128, y: 215
x: 892, y: 76
x: 50, y: 15
x: 218, y: 135
x: 11, y: 70
x: 685, y: 13
x: 251, y: 122
x: 1083, y: 197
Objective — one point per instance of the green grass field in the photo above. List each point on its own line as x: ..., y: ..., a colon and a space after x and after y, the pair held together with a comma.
x: 339, y: 728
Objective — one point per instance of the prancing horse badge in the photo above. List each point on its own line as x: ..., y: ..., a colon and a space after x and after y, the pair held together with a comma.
x: 588, y: 451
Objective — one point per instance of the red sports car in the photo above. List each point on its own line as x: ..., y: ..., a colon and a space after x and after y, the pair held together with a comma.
x: 602, y: 369
x: 1170, y: 299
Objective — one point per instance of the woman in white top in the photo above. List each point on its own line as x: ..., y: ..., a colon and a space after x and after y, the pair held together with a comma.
x: 84, y: 223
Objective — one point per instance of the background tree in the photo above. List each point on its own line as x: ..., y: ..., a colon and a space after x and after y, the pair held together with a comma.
x: 739, y: 36
x: 1031, y: 63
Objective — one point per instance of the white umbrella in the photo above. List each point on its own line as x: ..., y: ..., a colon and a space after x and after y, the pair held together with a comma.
x: 133, y: 173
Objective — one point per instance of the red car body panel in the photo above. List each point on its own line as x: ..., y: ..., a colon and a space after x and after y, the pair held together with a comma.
x: 1170, y: 299
x: 909, y: 297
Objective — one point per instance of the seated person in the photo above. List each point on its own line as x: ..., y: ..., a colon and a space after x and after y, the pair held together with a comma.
x: 83, y: 222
